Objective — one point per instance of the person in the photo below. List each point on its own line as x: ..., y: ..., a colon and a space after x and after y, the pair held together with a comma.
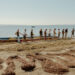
x: 32, y: 34
x: 66, y: 32
x: 72, y: 33
x: 59, y: 33
x: 41, y: 33
x: 18, y: 36
x: 54, y: 32
x: 63, y: 32
x: 45, y: 34
x: 49, y: 34
x: 24, y: 35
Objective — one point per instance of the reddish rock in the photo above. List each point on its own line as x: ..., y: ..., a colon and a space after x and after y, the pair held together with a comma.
x: 1, y: 67
x: 54, y: 67
x: 13, y: 57
x: 28, y: 66
x: 1, y: 61
x: 9, y: 72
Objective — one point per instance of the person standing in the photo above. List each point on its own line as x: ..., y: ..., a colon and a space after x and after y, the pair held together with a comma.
x: 45, y: 34
x: 59, y: 33
x: 54, y: 32
x: 41, y: 33
x: 18, y: 36
x: 72, y: 33
x: 32, y: 34
x: 63, y: 32
x: 49, y: 34
x: 24, y: 35
x: 66, y: 32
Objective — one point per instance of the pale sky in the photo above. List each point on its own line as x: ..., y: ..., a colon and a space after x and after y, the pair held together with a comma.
x: 36, y: 12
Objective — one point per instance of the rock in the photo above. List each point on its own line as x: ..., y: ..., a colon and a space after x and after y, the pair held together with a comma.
x: 1, y: 67
x: 20, y: 50
x: 1, y: 61
x: 13, y: 57
x: 53, y: 67
x: 10, y: 68
x: 9, y: 72
x: 28, y: 67
x: 69, y: 59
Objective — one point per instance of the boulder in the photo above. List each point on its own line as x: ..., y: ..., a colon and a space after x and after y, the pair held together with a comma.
x: 9, y: 72
x: 28, y: 66
x: 1, y: 61
x: 54, y: 67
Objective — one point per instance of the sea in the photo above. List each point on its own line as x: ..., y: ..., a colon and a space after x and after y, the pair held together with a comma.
x: 8, y: 31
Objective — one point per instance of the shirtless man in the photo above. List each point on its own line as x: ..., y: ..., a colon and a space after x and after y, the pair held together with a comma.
x: 54, y: 32
x: 45, y: 34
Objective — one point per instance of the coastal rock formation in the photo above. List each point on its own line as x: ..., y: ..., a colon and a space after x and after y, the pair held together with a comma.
x: 9, y: 72
x: 10, y: 67
x: 1, y: 61
x: 54, y: 67
x: 28, y: 66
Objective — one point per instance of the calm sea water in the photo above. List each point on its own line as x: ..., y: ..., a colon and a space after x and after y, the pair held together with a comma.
x: 9, y: 30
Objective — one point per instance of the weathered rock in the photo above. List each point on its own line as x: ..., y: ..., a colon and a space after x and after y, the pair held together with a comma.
x: 54, y: 67
x: 1, y: 61
x: 28, y: 67
x: 10, y: 68
x: 9, y: 72
x: 1, y: 67
x: 69, y: 59
x: 13, y: 57
x: 20, y: 50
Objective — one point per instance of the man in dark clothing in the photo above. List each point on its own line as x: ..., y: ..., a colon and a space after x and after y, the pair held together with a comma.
x: 66, y: 32
x: 63, y: 32
x: 45, y: 34
x: 72, y: 33
x: 41, y: 33
x: 32, y: 34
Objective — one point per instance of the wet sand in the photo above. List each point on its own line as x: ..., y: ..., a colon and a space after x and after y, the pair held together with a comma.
x: 58, y: 51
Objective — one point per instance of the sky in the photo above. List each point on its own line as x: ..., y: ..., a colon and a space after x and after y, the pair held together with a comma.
x: 37, y: 12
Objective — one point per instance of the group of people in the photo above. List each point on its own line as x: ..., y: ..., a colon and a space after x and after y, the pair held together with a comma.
x: 47, y: 33
x: 57, y: 34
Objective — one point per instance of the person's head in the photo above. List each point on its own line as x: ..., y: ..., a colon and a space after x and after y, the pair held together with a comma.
x: 73, y: 28
x: 40, y: 29
x: 54, y: 28
x: 63, y: 29
x: 25, y: 30
x: 31, y: 30
x: 17, y: 30
x: 66, y: 28
x: 46, y: 29
x: 49, y: 29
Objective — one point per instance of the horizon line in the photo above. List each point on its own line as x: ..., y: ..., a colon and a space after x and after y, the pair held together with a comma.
x: 34, y: 24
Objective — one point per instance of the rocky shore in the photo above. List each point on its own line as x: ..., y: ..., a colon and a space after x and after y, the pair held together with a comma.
x: 56, y: 57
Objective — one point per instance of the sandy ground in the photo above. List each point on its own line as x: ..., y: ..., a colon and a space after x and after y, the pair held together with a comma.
x: 42, y: 47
